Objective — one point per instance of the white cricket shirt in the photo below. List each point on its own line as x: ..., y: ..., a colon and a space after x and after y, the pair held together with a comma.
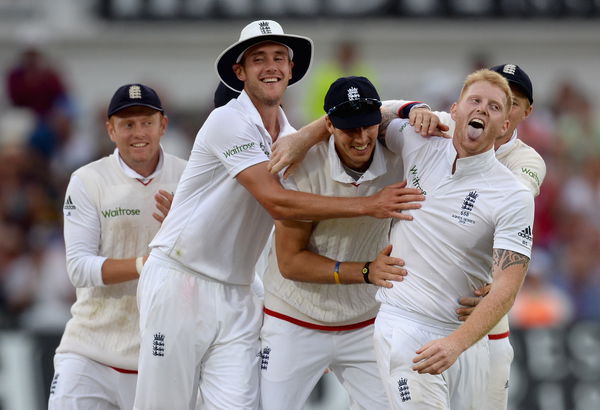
x: 448, y: 246
x: 520, y: 158
x: 342, y: 239
x: 108, y: 214
x: 215, y: 226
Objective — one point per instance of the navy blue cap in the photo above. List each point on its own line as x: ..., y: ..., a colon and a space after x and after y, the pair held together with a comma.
x: 223, y: 94
x: 352, y: 102
x: 515, y: 75
x: 130, y: 95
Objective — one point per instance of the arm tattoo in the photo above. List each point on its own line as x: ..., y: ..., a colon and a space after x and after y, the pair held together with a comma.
x: 386, y: 117
x: 504, y: 258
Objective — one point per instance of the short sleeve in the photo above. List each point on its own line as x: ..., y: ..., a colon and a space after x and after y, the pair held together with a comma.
x: 232, y: 137
x: 401, y: 138
x: 531, y: 172
x: 514, y: 223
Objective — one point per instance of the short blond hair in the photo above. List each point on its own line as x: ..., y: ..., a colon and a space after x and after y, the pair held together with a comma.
x: 491, y: 77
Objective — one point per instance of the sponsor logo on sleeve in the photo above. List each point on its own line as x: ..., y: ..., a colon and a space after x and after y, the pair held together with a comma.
x: 526, y: 235
x: 69, y: 206
x: 403, y: 126
x: 237, y: 149
x: 532, y: 174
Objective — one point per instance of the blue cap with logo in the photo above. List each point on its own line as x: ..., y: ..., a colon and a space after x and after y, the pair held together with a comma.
x: 352, y: 102
x: 130, y: 95
x: 516, y: 76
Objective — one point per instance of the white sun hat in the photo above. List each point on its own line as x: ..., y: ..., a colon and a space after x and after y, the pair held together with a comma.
x: 301, y: 51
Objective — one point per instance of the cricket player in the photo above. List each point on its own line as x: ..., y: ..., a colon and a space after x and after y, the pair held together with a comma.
x: 109, y: 220
x: 474, y: 226
x: 529, y: 167
x: 321, y: 281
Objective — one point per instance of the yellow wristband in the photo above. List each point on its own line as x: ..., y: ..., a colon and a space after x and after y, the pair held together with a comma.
x: 139, y: 264
x: 336, y: 273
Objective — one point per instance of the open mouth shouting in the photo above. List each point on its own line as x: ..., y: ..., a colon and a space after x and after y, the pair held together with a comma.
x: 475, y: 128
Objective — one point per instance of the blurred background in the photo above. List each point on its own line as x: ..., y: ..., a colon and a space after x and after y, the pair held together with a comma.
x: 61, y: 61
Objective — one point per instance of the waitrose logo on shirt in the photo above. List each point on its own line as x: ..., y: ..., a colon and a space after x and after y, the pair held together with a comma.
x: 237, y: 149
x: 111, y: 213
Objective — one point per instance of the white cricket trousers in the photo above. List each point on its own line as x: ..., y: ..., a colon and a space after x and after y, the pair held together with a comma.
x: 195, y: 333
x: 295, y: 357
x: 398, y: 335
x: 501, y: 357
x: 82, y: 383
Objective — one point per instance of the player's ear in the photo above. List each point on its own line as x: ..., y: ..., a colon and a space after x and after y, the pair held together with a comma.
x: 238, y: 69
x: 164, y: 122
x: 110, y: 130
x: 329, y: 125
x: 453, y: 111
x: 505, y: 126
x: 528, y: 111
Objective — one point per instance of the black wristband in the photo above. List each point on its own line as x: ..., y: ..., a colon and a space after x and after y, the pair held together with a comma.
x: 365, y: 272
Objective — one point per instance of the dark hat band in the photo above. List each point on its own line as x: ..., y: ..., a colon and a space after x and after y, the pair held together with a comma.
x: 352, y: 107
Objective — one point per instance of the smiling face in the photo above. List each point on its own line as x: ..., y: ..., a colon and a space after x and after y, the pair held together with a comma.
x: 266, y: 71
x: 481, y: 116
x: 136, y: 131
x: 354, y: 146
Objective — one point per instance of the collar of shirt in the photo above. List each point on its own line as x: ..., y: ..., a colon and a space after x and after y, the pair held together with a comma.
x: 507, y: 145
x: 284, y: 126
x: 475, y: 163
x: 376, y: 169
x: 132, y: 174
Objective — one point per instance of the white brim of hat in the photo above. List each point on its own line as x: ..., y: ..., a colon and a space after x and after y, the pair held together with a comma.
x: 301, y: 46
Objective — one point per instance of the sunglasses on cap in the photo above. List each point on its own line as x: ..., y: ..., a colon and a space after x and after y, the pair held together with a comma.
x: 348, y: 108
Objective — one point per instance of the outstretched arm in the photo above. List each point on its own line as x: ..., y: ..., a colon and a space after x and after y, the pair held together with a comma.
x: 288, y: 151
x: 287, y: 204
x: 419, y: 115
